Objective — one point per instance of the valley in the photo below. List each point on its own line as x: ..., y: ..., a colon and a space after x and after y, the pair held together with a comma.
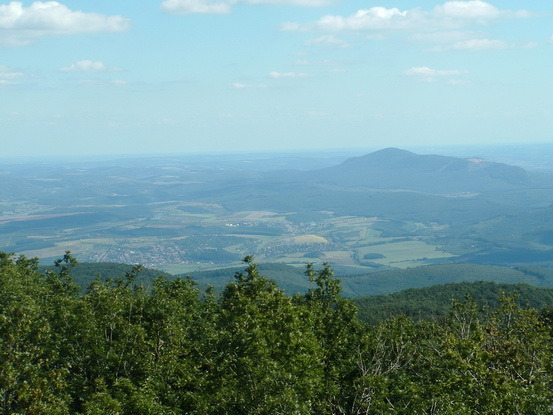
x: 387, y: 209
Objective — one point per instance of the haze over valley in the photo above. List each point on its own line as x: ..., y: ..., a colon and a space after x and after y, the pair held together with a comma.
x: 390, y: 208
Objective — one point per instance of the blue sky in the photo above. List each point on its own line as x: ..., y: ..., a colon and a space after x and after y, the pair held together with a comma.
x: 182, y: 76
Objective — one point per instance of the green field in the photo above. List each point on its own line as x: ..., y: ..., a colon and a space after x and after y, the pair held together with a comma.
x: 405, y: 254
x: 267, y: 235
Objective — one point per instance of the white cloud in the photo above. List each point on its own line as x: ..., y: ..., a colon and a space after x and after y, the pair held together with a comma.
x: 20, y: 25
x: 328, y: 40
x: 465, y: 40
x: 431, y: 75
x: 195, y: 6
x: 479, y: 44
x: 8, y: 75
x: 278, y: 75
x: 483, y: 44
x: 474, y: 9
x: 450, y: 15
x: 88, y: 66
x: 96, y: 82
x: 221, y: 7
x: 375, y: 18
x: 304, y: 3
x: 444, y: 37
x: 239, y: 85
x: 426, y: 71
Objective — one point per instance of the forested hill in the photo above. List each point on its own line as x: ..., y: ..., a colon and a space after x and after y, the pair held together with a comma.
x: 393, y: 280
x: 430, y: 302
x: 292, y: 279
x: 393, y: 168
x: 436, y: 302
x: 85, y: 273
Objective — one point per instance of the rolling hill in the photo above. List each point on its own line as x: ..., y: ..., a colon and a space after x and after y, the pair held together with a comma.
x: 435, y: 302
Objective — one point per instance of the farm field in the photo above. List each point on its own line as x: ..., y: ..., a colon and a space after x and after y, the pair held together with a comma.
x: 405, y: 254
x: 181, y: 241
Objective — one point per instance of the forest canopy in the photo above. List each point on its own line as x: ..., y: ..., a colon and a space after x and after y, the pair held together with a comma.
x: 123, y: 348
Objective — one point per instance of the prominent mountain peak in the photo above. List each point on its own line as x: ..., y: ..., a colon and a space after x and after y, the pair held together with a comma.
x: 397, y: 159
x: 394, y: 168
x: 387, y: 154
x: 391, y: 152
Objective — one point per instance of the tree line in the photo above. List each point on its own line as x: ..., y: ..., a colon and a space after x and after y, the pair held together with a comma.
x: 435, y: 302
x: 122, y: 348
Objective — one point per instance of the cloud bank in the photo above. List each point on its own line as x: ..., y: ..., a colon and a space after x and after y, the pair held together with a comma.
x: 450, y: 15
x: 20, y: 25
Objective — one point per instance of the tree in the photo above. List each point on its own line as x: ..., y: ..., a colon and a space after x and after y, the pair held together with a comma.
x: 33, y: 379
x: 268, y: 359
x: 180, y: 335
x: 334, y: 322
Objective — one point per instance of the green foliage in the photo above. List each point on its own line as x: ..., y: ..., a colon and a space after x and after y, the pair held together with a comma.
x: 33, y: 379
x: 389, y: 381
x: 334, y: 320
x: 122, y: 348
x: 274, y: 366
x: 475, y: 362
x: 493, y: 363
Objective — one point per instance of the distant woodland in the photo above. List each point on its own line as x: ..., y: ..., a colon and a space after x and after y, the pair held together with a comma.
x: 122, y: 347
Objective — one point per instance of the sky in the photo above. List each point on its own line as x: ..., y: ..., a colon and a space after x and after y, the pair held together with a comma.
x: 199, y: 76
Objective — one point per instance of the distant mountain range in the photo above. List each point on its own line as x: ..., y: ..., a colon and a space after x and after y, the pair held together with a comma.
x: 387, y: 169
